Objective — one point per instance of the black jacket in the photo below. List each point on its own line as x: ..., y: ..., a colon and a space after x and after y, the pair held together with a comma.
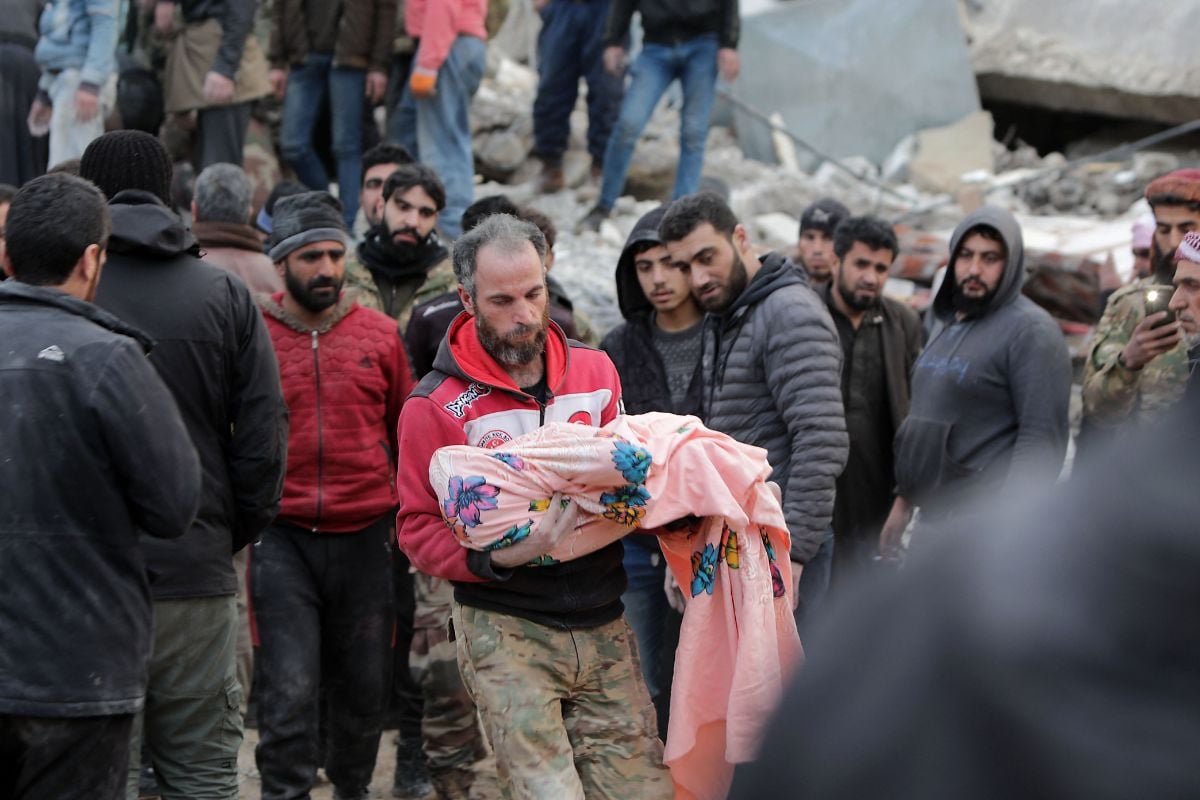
x: 213, y: 352
x: 673, y: 21
x: 94, y: 452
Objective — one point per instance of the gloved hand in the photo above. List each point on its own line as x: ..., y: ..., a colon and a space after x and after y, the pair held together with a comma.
x: 422, y: 83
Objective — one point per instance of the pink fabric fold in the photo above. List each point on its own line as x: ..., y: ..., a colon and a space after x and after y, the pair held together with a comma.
x: 722, y: 532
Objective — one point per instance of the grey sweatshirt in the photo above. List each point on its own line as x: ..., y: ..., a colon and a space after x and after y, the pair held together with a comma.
x: 990, y: 392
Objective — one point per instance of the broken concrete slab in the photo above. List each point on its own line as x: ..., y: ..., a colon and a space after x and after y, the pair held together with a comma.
x: 945, y: 154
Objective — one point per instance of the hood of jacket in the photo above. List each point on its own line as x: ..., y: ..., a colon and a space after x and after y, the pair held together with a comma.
x: 143, y: 225
x: 630, y: 296
x: 13, y: 291
x: 461, y: 355
x: 777, y: 271
x: 1014, y: 268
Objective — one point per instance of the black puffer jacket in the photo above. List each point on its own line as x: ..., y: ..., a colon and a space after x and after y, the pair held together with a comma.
x: 94, y: 452
x: 672, y: 21
x: 213, y: 352
x: 772, y: 368
x: 631, y: 344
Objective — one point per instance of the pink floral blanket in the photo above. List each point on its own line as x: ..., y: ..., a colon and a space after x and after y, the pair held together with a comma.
x: 720, y: 527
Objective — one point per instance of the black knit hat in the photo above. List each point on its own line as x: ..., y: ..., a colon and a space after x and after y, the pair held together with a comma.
x: 128, y: 160
x: 301, y: 219
x: 824, y: 215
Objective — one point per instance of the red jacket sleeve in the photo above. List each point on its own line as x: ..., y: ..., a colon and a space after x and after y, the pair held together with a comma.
x: 400, y: 387
x: 614, y: 407
x: 420, y: 530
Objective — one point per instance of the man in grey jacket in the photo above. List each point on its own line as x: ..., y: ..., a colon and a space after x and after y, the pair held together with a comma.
x: 991, y: 390
x: 772, y: 371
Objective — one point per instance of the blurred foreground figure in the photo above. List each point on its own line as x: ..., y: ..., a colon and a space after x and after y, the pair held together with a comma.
x: 1034, y: 655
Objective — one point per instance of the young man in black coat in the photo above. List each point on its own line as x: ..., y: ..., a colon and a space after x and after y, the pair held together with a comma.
x: 94, y: 453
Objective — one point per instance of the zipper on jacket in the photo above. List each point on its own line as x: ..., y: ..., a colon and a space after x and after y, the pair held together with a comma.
x: 320, y: 430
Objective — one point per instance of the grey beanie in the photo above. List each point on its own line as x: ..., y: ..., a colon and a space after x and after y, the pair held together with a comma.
x: 301, y: 219
x: 824, y: 215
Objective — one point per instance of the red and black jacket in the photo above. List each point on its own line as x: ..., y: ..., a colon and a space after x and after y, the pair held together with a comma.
x: 468, y: 398
x: 344, y: 384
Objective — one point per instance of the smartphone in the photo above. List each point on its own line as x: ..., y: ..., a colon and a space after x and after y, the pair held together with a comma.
x: 1155, y: 299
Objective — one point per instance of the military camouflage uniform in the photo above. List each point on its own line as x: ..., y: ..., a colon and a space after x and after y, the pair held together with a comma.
x: 398, y: 299
x: 560, y: 717
x: 460, y: 765
x: 1113, y: 394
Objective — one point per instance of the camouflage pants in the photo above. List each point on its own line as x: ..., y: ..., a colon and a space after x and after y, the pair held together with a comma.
x: 567, y: 712
x: 460, y: 764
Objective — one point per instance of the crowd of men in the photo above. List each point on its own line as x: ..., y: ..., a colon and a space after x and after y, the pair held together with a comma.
x: 218, y: 435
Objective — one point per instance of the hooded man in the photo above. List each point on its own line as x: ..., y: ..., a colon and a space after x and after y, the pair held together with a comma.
x: 991, y: 390
x: 213, y: 352
x: 772, y: 367
x: 817, y: 225
x: 401, y: 261
x: 322, y: 572
x: 1137, y: 366
x: 657, y: 354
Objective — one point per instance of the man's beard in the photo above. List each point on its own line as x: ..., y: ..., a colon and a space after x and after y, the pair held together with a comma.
x: 1163, y: 265
x: 738, y: 280
x: 304, y: 294
x: 504, y: 347
x: 401, y: 250
x: 971, y: 306
x: 851, y: 298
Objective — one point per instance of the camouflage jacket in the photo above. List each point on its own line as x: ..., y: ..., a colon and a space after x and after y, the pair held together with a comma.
x: 396, y: 299
x: 1113, y: 394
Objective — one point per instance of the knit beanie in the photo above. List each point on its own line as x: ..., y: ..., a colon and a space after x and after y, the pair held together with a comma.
x: 1143, y: 232
x: 1189, y: 248
x: 301, y: 219
x: 824, y: 215
x: 1182, y: 183
x: 128, y: 160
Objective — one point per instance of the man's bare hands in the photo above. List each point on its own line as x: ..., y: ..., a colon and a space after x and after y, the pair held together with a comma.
x: 39, y: 118
x: 797, y: 571
x: 164, y: 17
x: 1148, y: 343
x: 87, y: 105
x: 278, y: 79
x: 218, y: 89
x: 614, y: 60
x: 729, y: 64
x: 376, y: 86
x: 560, y: 520
x: 893, y: 530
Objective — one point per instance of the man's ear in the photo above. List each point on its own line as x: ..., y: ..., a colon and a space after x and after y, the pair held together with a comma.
x: 193, y: 211
x: 7, y: 265
x: 741, y: 239
x: 281, y: 268
x: 89, y: 264
x: 468, y: 305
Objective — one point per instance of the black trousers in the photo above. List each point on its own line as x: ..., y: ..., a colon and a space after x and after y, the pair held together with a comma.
x: 220, y: 135
x: 407, y: 704
x: 324, y: 607
x: 66, y: 758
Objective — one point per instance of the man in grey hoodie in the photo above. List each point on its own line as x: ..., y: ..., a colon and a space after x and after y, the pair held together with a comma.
x: 990, y: 392
x: 771, y: 362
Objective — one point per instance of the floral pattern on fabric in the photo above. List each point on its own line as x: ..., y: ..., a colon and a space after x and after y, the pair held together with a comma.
x: 625, y: 506
x: 468, y: 497
x: 508, y: 458
x: 633, y: 462
x: 513, y: 535
x: 704, y: 568
x: 729, y: 547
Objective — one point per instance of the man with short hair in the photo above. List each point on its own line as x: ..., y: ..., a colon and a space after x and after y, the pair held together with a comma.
x: 94, y: 453
x: 564, y: 720
x: 221, y: 223
x: 378, y: 164
x: 401, y: 261
x: 990, y: 392
x: 1137, y: 366
x: 771, y: 372
x: 815, y: 249
x: 322, y: 572
x: 880, y: 338
x: 213, y: 352
x: 657, y: 355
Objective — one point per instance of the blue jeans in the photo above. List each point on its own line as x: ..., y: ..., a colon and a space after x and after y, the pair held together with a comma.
x: 570, y: 46
x: 308, y: 84
x: 437, y: 129
x: 814, y: 582
x: 694, y: 63
x: 646, y: 604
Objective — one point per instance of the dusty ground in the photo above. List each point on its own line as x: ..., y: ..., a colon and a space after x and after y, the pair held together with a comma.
x: 381, y: 784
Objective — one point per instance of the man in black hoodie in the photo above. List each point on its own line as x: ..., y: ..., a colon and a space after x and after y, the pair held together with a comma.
x: 991, y: 390
x: 213, y: 352
x: 657, y: 354
x: 772, y: 372
x: 94, y: 452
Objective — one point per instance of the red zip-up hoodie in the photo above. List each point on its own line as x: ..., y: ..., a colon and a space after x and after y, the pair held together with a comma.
x: 344, y: 384
x: 468, y: 398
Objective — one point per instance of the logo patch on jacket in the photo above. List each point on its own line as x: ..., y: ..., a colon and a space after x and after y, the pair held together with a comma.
x: 365, y: 363
x: 493, y: 439
x: 53, y: 353
x: 459, y: 405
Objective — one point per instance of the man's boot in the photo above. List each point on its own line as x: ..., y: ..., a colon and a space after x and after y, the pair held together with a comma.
x: 552, y: 179
x: 593, y: 220
x: 412, y: 775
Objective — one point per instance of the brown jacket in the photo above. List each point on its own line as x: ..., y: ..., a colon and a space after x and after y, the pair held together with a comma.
x: 236, y: 248
x: 364, y: 36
